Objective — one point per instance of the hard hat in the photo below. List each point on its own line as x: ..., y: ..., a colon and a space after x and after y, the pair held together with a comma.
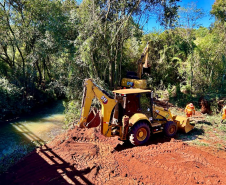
x: 191, y: 105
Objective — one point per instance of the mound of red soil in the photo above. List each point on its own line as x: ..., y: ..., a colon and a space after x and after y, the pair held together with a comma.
x: 84, y: 156
x: 205, y: 105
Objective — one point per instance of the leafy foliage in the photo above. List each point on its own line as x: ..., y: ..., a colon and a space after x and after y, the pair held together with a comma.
x: 47, y: 48
x: 9, y: 94
x: 72, y: 111
x: 219, y: 10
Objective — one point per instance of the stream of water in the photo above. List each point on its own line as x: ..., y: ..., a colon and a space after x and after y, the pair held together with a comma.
x: 31, y: 130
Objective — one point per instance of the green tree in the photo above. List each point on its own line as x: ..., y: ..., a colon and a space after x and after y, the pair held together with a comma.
x: 104, y: 28
x: 37, y: 44
x: 219, y: 10
x: 188, y: 19
x: 32, y: 33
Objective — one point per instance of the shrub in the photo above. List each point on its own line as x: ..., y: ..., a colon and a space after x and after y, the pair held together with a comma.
x: 72, y: 111
x: 9, y: 96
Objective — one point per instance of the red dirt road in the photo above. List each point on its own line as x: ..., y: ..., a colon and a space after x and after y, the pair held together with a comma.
x: 84, y: 156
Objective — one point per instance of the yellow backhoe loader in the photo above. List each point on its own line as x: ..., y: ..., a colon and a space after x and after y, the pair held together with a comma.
x: 133, y: 79
x: 130, y: 115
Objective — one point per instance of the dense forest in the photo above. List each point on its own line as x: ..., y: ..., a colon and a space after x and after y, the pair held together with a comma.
x: 48, y: 47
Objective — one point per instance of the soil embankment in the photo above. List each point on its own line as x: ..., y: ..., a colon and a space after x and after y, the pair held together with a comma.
x: 84, y: 156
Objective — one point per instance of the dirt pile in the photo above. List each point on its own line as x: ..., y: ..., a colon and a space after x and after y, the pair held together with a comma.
x: 84, y: 156
x: 205, y: 105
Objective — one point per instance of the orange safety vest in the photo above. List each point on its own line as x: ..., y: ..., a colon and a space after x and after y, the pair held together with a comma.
x: 224, y: 113
x: 189, y: 110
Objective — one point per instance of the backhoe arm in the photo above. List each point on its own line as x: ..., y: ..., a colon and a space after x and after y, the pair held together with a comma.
x: 145, y: 58
x: 143, y: 61
x: 87, y: 98
x: 90, y: 91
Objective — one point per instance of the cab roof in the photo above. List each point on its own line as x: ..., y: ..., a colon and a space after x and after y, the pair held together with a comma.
x: 131, y: 91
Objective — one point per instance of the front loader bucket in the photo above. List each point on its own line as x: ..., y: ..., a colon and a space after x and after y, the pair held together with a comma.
x: 183, y: 124
x: 93, y: 119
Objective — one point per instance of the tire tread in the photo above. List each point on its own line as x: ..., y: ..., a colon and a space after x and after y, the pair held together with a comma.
x: 132, y: 138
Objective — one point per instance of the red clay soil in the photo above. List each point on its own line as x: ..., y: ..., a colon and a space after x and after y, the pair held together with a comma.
x: 84, y: 156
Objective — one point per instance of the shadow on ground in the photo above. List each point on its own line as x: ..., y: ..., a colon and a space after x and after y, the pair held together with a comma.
x: 161, y: 138
x: 43, y: 167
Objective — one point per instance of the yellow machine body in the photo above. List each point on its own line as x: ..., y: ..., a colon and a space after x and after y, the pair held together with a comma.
x: 160, y: 112
x: 142, y: 67
x: 134, y: 83
x: 138, y: 117
x: 183, y: 124
x: 143, y: 61
x: 123, y: 113
x: 91, y: 91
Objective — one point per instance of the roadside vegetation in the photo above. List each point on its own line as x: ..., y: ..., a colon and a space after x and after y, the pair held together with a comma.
x: 208, y: 131
x: 47, y: 49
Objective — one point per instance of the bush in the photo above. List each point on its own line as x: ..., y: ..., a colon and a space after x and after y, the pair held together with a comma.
x: 73, y: 107
x: 15, y: 100
x: 9, y: 98
x: 72, y: 111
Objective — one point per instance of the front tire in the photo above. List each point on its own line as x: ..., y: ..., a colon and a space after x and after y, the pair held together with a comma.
x: 139, y: 134
x: 170, y: 129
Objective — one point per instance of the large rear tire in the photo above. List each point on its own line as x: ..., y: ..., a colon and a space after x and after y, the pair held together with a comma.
x: 170, y: 129
x: 139, y: 134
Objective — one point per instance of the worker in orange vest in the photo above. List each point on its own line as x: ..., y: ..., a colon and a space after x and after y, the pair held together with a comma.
x: 189, y: 110
x: 223, y: 114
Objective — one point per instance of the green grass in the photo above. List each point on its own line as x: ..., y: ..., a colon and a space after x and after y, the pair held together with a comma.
x: 214, y: 119
x: 219, y: 145
x: 197, y: 142
x: 223, y: 137
x: 174, y: 111
x: 209, y: 129
x: 222, y: 127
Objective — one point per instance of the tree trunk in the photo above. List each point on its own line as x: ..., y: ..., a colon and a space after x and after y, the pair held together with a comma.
x: 40, y: 73
x: 94, y: 69
x: 116, y: 68
x: 48, y: 73
x: 110, y: 74
x: 191, y: 68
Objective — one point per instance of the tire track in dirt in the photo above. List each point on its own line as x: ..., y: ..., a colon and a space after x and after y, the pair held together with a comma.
x: 84, y: 156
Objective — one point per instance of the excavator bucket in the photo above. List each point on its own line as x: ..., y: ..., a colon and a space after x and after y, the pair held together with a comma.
x: 93, y: 119
x: 183, y: 124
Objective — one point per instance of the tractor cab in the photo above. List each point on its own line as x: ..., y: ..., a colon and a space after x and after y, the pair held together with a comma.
x: 132, y: 101
x: 144, y: 118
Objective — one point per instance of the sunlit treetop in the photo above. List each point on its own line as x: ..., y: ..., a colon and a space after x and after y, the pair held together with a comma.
x: 219, y: 10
